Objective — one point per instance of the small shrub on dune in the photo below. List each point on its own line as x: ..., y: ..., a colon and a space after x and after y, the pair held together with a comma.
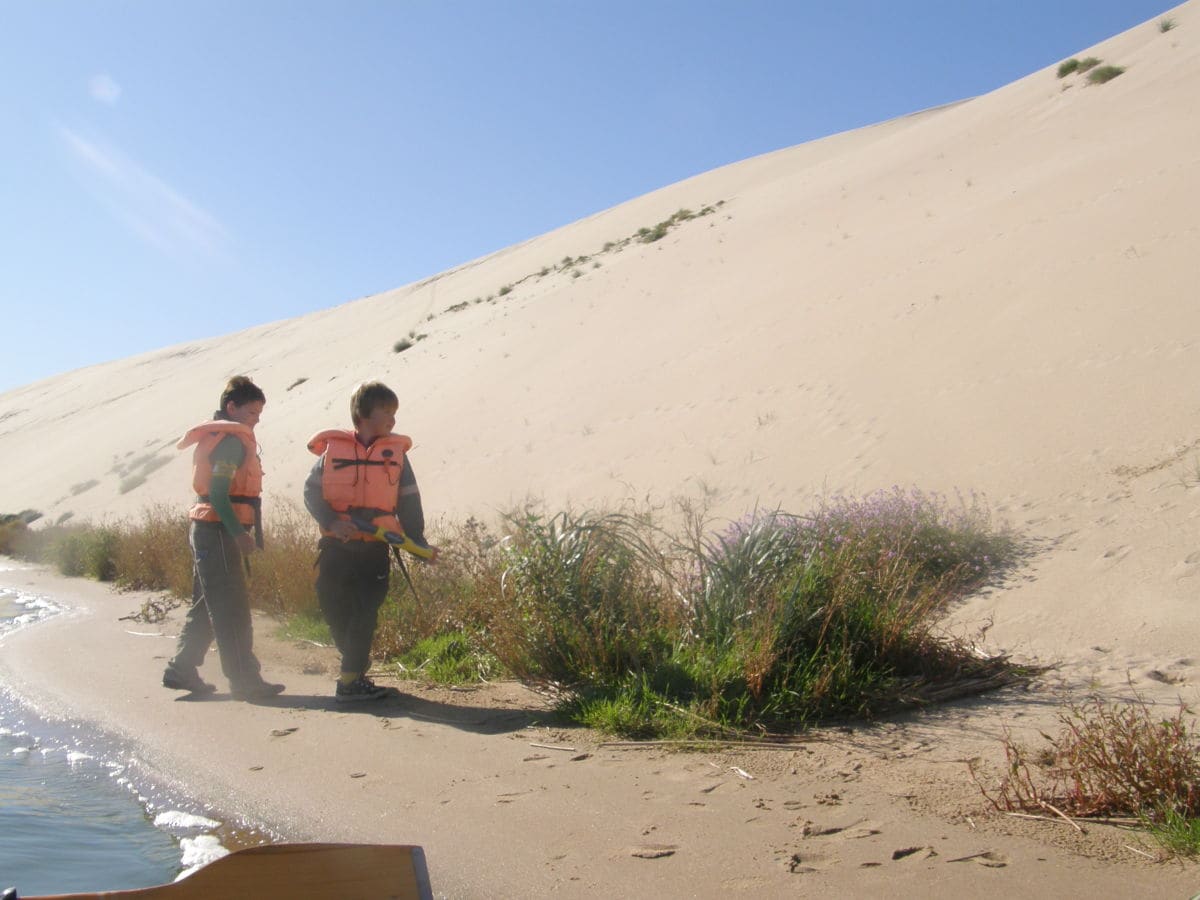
x: 1066, y: 67
x: 1104, y: 74
x: 1165, y: 25
x: 1088, y: 62
x: 1111, y: 760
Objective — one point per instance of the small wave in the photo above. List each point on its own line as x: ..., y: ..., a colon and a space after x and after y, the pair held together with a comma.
x: 36, y: 608
x: 177, y: 820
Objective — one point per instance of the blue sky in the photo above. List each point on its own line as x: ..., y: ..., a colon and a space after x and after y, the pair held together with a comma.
x: 176, y: 170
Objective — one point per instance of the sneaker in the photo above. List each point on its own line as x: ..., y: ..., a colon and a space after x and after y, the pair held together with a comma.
x: 190, y: 681
x: 361, y: 688
x: 256, y: 690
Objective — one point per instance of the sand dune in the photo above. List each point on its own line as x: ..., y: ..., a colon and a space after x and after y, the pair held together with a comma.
x: 995, y: 296
x: 990, y: 296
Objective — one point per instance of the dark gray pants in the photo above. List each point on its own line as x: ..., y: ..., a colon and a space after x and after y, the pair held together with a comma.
x: 220, y: 608
x: 352, y: 583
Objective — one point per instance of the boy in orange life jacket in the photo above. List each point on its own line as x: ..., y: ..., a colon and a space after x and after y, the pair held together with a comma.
x: 363, y: 481
x: 227, y: 478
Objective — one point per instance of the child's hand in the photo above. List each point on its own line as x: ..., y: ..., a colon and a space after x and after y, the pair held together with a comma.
x: 343, y: 530
x: 434, y: 551
x: 245, y: 542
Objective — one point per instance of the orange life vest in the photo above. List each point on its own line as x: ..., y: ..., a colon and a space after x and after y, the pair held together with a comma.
x: 362, y: 482
x: 246, y: 486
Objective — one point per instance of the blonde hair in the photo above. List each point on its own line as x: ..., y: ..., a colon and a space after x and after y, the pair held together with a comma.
x: 367, y: 397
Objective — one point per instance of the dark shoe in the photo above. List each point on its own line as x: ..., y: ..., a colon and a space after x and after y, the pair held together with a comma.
x: 190, y: 681
x: 361, y: 688
x: 256, y: 690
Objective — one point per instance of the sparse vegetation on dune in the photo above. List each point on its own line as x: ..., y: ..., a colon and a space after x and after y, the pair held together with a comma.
x: 1096, y: 73
x: 570, y: 265
x: 1111, y: 761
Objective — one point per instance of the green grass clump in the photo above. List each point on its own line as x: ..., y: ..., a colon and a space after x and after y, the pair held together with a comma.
x: 1104, y: 74
x: 1088, y: 62
x: 447, y: 659
x: 583, y: 607
x: 1066, y: 67
x: 1111, y: 760
x: 307, y: 625
x: 775, y: 622
x: 1177, y: 834
x: 1165, y: 25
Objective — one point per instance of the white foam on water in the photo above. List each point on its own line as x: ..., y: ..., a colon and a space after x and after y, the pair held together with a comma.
x: 75, y: 757
x: 37, y: 608
x: 177, y: 820
x: 199, y: 851
x: 19, y: 751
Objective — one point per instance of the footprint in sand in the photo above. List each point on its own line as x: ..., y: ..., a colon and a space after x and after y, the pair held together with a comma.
x: 989, y: 858
x: 854, y: 831
x: 808, y: 862
x: 913, y: 853
x: 1113, y: 555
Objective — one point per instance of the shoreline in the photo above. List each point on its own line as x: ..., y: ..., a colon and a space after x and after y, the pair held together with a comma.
x: 202, y: 833
x: 481, y: 779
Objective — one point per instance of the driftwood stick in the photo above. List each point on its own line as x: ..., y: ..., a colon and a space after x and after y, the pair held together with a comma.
x: 1139, y: 852
x: 554, y: 747
x: 1057, y: 811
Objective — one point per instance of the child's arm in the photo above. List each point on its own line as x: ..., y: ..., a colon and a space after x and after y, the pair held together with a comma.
x: 318, y: 507
x: 226, y: 457
x: 408, y: 505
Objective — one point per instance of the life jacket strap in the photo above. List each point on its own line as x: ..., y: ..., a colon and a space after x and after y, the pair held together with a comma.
x: 341, y: 462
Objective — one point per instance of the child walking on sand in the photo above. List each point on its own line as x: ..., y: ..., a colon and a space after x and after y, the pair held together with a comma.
x: 226, y: 527
x: 361, y: 487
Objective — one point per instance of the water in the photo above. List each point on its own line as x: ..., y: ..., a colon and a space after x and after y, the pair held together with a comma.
x: 76, y: 813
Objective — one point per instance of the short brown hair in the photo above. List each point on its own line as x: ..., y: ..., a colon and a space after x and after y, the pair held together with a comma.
x: 241, y: 390
x: 368, y: 396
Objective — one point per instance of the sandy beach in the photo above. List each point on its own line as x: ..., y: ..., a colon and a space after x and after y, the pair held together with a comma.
x: 509, y: 803
x: 995, y: 296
